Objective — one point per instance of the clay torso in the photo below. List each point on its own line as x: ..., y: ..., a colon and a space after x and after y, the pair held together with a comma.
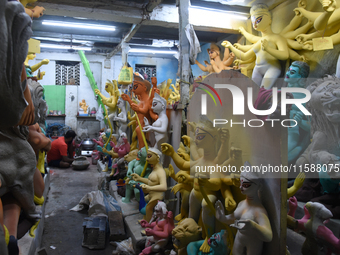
x: 263, y: 57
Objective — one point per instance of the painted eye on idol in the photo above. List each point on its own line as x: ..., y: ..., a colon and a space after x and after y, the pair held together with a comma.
x: 154, y: 104
x: 149, y: 155
x: 200, y: 137
x: 135, y: 87
x: 246, y: 184
x: 258, y: 20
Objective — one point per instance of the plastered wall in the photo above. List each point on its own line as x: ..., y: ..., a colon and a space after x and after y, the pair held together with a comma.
x: 166, y: 68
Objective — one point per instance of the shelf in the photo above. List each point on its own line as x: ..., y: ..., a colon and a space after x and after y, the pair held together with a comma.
x: 62, y: 115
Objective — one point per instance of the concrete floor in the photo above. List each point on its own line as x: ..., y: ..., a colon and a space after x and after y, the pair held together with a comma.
x: 63, y: 228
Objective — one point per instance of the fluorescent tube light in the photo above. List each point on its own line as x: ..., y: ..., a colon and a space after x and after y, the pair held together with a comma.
x: 197, y: 13
x: 152, y: 51
x: 60, y: 39
x: 79, y: 25
x: 163, y: 43
x: 64, y: 47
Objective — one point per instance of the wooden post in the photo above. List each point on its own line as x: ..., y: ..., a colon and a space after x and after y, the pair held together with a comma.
x: 184, y: 47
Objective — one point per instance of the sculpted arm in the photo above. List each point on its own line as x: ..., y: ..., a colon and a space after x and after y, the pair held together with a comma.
x: 163, y: 128
x: 242, y: 48
x: 297, y: 185
x: 322, y: 21
x: 281, y: 53
x: 111, y: 153
x: 302, y: 121
x: 121, y: 118
x: 301, y: 30
x: 294, y: 23
x: 223, y: 153
x: 168, y: 150
x: 130, y: 167
x: 210, y: 183
x: 37, y: 66
x: 37, y: 139
x: 104, y: 98
x: 262, y: 229
x: 229, y: 59
x: 202, y: 67
x: 241, y: 62
x: 229, y: 201
x: 220, y: 214
x: 242, y: 55
x: 250, y: 37
x: 138, y: 178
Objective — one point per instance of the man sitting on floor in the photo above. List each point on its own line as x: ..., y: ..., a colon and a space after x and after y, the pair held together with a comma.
x: 61, y: 153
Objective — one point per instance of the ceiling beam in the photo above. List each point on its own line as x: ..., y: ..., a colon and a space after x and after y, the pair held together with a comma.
x: 148, y: 9
x: 152, y: 5
x: 162, y: 15
x: 77, y: 37
x: 126, y: 39
x: 122, y: 14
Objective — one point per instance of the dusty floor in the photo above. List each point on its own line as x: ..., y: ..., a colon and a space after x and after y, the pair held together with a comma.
x: 63, y: 228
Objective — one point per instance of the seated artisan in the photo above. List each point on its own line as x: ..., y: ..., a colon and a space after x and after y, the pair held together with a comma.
x: 61, y: 154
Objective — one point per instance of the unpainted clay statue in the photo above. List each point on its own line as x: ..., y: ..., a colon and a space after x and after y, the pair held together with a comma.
x: 83, y: 106
x: 31, y: 69
x: 159, y: 231
x: 37, y: 139
x: 184, y: 186
x: 250, y: 218
x: 165, y: 91
x: 184, y: 181
x: 324, y: 149
x: 268, y: 51
x: 110, y: 102
x: 175, y: 94
x: 40, y: 144
x: 289, y: 33
x: 155, y: 185
x: 17, y: 157
x: 324, y: 105
x: 218, y: 245
x: 216, y: 64
x: 40, y: 105
x: 313, y: 226
x: 17, y: 108
x: 160, y: 126
x: 299, y: 135
x: 135, y: 166
x: 185, y: 232
x: 206, y: 184
x: 16, y: 103
x: 327, y: 21
x: 122, y: 117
